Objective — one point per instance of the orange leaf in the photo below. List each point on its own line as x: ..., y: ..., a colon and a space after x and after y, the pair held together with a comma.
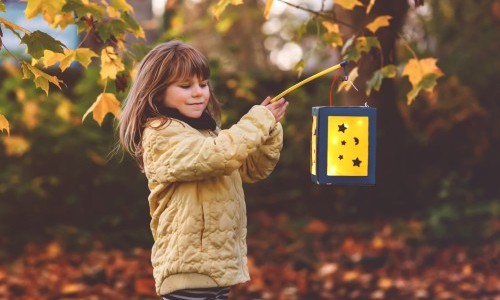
x: 348, y: 4
x: 105, y: 103
x: 317, y: 226
x: 145, y: 286
x: 379, y: 22
x: 4, y: 124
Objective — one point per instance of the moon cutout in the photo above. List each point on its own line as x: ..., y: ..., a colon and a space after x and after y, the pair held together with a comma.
x: 356, y: 141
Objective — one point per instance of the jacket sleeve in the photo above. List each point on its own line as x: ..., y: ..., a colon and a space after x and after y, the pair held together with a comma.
x: 260, y: 163
x: 177, y: 152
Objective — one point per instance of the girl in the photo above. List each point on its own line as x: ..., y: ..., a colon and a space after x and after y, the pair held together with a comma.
x: 169, y: 124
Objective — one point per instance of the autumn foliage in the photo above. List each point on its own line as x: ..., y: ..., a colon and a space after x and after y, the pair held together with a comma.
x: 317, y: 261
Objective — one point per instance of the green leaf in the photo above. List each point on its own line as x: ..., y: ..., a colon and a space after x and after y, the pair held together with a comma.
x: 42, y: 79
x: 134, y: 27
x: 110, y: 28
x: 427, y: 83
x: 361, y: 45
x: 38, y: 41
x: 82, y: 9
x: 389, y: 71
x: 121, y: 5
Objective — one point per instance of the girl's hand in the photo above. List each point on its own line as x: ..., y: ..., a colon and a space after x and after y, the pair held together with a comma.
x: 277, y: 108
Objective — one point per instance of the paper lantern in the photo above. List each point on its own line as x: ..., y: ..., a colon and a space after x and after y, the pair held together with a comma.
x: 343, y: 145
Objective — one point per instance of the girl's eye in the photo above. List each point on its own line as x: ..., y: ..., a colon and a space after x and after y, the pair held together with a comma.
x: 204, y: 84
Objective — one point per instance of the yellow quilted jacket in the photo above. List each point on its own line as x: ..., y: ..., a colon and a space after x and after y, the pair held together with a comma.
x: 198, y: 213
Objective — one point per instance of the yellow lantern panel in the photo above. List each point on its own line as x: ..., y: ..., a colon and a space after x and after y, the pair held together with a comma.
x: 347, y: 148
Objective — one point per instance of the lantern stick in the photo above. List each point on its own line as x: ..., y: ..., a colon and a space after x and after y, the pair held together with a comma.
x: 297, y: 85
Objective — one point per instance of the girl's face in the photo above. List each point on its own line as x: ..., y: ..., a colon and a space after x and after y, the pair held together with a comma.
x: 190, y: 96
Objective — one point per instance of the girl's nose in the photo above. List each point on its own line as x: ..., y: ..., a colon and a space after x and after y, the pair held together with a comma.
x: 196, y: 91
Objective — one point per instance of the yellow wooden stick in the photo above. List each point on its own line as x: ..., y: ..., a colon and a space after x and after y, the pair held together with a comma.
x: 294, y: 87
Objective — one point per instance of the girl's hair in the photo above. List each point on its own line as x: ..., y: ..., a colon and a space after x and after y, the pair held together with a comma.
x: 164, y: 65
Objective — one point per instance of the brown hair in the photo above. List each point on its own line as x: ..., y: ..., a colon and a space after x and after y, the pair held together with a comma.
x: 165, y: 64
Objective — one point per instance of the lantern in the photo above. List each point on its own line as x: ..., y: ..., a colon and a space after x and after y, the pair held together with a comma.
x: 343, y: 145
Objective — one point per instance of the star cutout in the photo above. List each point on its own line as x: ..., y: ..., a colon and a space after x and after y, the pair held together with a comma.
x: 341, y: 157
x: 343, y: 143
x: 342, y: 128
x: 356, y: 162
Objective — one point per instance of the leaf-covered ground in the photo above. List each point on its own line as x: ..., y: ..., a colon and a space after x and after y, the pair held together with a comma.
x: 287, y: 260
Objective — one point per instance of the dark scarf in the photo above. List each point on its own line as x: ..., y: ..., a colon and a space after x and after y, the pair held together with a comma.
x: 205, y: 121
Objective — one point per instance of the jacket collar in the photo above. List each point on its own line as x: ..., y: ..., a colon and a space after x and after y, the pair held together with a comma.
x: 205, y: 121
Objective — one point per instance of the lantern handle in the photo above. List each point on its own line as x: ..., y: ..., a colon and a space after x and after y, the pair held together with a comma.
x: 326, y: 71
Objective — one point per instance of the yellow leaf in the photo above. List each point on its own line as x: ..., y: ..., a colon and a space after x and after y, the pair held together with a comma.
x: 370, y: 6
x: 105, y: 103
x: 51, y: 58
x: 111, y: 63
x: 348, y: 4
x: 416, y: 69
x: 113, y: 13
x: 48, y: 9
x: 13, y: 26
x: 334, y: 35
x: 4, y: 124
x: 220, y: 6
x: 267, y: 10
x: 30, y: 114
x: 345, y: 85
x: 63, y: 20
x: 15, y: 145
x: 42, y: 79
x: 82, y: 55
x: 379, y: 22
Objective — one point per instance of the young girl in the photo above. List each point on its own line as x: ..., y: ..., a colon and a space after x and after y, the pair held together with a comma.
x: 169, y: 124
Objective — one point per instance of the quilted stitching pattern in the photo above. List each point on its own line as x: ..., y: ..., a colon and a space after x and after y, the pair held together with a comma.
x: 198, y: 214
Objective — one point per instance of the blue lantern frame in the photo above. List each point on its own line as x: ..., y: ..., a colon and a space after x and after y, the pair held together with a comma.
x: 322, y: 113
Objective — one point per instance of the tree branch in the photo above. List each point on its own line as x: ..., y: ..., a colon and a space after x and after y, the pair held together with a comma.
x: 318, y: 13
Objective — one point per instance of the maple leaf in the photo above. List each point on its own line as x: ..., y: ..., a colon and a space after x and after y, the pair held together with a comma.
x: 361, y: 45
x: 105, y: 103
x: 422, y: 75
x: 219, y: 8
x: 4, y: 124
x: 135, y: 28
x: 379, y: 22
x: 42, y: 79
x: 48, y: 9
x: 81, y: 55
x: 122, y: 5
x: 348, y: 4
x: 375, y: 82
x: 39, y: 41
x: 333, y: 35
x: 267, y: 9
x: 111, y: 63
x: 63, y: 20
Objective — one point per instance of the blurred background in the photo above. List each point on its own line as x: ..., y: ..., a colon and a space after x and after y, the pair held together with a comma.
x: 437, y: 174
